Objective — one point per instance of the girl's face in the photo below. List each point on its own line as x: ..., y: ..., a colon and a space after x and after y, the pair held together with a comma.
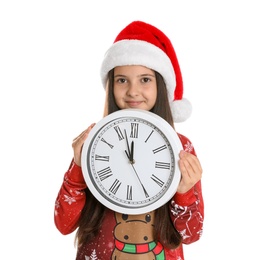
x: 135, y: 87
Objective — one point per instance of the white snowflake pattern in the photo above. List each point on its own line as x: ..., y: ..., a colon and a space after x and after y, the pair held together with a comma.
x: 183, y: 234
x: 188, y: 147
x: 93, y: 255
x: 57, y: 204
x: 78, y: 192
x: 110, y: 245
x: 200, y: 232
x: 66, y: 179
x: 69, y: 199
x: 177, y: 209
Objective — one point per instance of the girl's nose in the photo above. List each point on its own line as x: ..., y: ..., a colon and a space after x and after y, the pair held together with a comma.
x: 133, y: 90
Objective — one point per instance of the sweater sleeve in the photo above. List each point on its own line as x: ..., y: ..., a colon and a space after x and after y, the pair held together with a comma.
x: 70, y: 200
x: 187, y: 210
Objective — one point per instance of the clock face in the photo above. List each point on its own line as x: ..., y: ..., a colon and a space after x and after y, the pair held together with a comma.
x: 130, y: 161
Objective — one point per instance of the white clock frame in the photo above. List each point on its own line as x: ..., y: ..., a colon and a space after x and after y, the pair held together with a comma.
x: 95, y: 178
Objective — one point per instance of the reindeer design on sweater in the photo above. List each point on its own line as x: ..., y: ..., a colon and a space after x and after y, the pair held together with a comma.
x: 134, y: 238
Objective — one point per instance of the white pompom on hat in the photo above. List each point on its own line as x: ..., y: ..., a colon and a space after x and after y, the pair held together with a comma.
x: 142, y: 44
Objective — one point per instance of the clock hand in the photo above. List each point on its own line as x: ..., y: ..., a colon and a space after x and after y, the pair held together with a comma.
x: 132, y: 153
x: 127, y: 153
x: 145, y: 192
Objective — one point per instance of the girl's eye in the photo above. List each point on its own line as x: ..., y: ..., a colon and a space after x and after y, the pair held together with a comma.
x: 145, y: 80
x: 121, y: 80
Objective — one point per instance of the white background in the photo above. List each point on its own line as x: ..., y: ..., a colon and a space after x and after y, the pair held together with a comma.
x: 50, y: 55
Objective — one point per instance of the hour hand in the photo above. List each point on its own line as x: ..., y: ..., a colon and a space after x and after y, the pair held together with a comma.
x: 128, y: 152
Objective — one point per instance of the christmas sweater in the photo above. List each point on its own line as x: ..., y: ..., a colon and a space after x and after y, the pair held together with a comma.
x: 129, y: 237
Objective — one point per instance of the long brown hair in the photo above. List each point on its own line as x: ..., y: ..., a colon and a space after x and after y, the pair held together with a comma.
x: 93, y: 213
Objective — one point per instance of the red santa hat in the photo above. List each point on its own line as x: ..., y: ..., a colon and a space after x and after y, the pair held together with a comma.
x: 140, y: 43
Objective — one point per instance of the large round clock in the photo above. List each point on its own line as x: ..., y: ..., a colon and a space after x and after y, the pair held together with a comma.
x: 130, y: 161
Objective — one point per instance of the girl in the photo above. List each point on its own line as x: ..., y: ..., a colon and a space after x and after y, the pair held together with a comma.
x: 140, y: 70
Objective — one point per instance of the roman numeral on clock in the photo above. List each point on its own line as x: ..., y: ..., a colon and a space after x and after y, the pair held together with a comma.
x: 119, y: 133
x: 115, y: 186
x: 162, y: 165
x: 157, y: 180
x: 101, y: 158
x: 149, y: 136
x: 104, y: 173
x: 159, y: 149
x: 129, y: 194
x: 134, y: 130
x: 104, y: 141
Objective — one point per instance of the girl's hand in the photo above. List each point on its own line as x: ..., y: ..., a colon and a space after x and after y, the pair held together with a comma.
x: 191, y: 171
x: 78, y: 143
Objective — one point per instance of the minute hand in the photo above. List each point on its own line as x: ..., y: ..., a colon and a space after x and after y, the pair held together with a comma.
x: 131, y: 157
x: 145, y: 192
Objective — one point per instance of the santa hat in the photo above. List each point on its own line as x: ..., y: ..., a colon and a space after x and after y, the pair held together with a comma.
x: 140, y: 43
